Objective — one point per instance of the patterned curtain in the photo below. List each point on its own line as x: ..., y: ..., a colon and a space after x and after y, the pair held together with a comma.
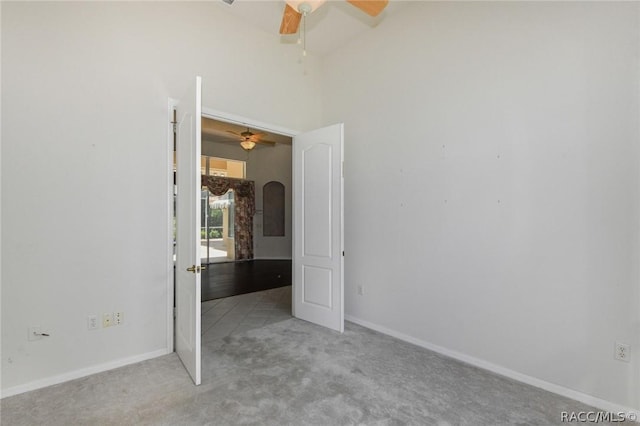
x: 245, y: 208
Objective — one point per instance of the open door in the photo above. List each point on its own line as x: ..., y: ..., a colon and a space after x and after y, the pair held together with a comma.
x: 318, y: 293
x: 187, y: 289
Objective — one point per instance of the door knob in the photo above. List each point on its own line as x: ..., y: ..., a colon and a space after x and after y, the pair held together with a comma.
x: 195, y: 269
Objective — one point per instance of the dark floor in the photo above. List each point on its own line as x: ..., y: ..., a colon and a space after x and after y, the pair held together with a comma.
x: 233, y: 278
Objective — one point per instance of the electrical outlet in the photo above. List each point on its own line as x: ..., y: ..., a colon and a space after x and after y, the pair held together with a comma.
x: 107, y: 320
x: 622, y: 352
x: 92, y: 322
x: 118, y: 318
x: 360, y: 290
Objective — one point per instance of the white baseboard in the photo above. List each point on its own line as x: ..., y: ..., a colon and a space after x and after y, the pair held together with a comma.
x: 542, y: 384
x: 83, y: 372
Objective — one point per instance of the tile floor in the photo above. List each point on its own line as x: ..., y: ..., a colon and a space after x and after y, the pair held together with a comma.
x: 237, y: 314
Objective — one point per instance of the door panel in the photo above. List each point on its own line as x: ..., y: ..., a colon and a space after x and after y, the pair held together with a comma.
x: 317, y: 284
x: 188, y: 290
x: 317, y: 191
x: 318, y: 224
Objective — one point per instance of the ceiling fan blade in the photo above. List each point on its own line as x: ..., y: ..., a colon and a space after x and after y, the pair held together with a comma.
x: 209, y: 132
x: 214, y: 136
x: 263, y: 142
x: 370, y: 7
x: 234, y: 133
x: 290, y: 21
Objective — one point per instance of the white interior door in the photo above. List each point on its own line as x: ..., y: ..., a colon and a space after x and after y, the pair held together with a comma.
x: 318, y: 293
x: 188, y: 290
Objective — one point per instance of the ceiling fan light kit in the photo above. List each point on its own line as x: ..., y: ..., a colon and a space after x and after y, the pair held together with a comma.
x: 249, y: 140
x: 247, y: 145
x: 220, y: 131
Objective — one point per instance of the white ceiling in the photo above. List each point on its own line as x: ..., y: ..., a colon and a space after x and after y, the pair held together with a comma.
x: 328, y: 28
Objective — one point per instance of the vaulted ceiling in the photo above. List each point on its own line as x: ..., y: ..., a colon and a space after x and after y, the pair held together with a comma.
x: 331, y: 26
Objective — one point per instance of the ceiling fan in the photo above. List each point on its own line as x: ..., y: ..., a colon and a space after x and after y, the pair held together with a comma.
x: 296, y: 9
x: 248, y: 139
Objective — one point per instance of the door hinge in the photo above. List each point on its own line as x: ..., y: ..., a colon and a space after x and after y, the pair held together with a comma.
x: 174, y: 122
x: 342, y: 253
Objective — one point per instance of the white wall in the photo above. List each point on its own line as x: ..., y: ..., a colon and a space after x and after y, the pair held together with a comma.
x: 542, y: 282
x: 84, y: 164
x: 264, y: 164
x: 491, y: 185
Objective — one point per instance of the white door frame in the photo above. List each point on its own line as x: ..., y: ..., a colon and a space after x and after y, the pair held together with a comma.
x: 172, y: 104
x: 216, y: 115
x: 247, y: 122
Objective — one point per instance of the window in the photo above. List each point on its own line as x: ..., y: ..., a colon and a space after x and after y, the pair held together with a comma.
x: 217, y: 216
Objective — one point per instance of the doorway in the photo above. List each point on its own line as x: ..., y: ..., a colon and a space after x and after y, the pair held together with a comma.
x: 241, y: 295
x: 318, y: 246
x: 222, y: 156
x: 267, y: 163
